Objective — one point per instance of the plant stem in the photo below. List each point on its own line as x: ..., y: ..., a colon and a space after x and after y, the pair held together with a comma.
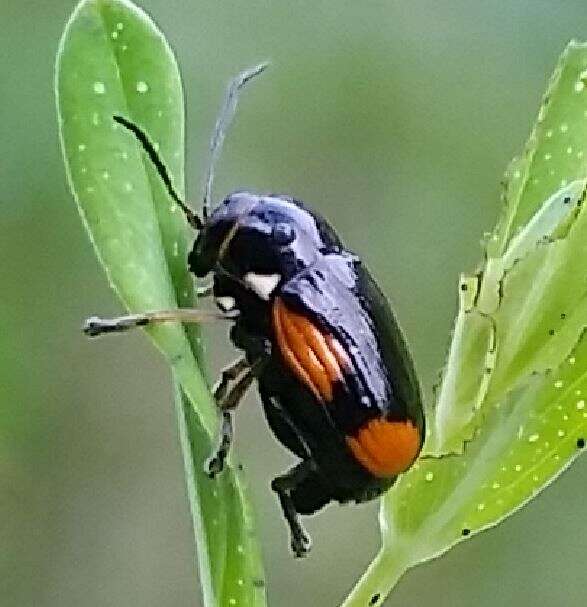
x: 379, y: 579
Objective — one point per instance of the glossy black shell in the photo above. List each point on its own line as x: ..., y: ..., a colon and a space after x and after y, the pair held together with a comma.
x: 328, y: 285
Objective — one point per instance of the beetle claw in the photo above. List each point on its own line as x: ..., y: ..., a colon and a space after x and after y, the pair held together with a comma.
x: 301, y: 542
x: 214, y: 465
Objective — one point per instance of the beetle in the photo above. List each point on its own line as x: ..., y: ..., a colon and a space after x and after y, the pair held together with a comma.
x: 333, y: 370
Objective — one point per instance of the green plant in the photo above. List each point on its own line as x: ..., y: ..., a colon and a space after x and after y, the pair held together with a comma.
x: 113, y: 60
x: 509, y: 414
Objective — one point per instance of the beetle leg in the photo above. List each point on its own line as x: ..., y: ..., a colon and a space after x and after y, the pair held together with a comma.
x: 205, y: 290
x: 283, y: 486
x: 215, y: 464
x: 95, y: 326
x: 226, y: 400
x: 228, y: 374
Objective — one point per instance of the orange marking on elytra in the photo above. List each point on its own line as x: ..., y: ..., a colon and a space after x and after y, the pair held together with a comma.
x: 307, y: 351
x: 288, y: 344
x: 319, y: 346
x: 385, y: 448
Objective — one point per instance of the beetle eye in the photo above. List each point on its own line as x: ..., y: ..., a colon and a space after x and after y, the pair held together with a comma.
x: 283, y: 234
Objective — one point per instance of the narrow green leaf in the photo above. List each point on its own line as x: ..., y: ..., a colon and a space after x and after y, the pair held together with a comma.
x: 555, y: 153
x: 510, y: 414
x: 112, y: 60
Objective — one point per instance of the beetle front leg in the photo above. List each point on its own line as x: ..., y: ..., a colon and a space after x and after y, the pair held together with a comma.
x: 284, y: 486
x: 95, y: 326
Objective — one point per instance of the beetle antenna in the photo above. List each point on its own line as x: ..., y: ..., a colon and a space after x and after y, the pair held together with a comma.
x: 222, y: 123
x: 159, y: 165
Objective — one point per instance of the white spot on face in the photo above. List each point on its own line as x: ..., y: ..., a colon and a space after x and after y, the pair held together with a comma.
x: 120, y: 26
x: 579, y: 86
x: 225, y: 303
x: 81, y: 147
x: 558, y: 383
x: 262, y: 284
x: 564, y: 127
x: 580, y: 404
x: 114, y: 35
x: 142, y: 86
x: 533, y: 438
x: 99, y: 88
x: 429, y: 476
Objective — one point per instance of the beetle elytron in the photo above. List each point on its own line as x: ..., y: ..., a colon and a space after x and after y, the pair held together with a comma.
x: 333, y: 370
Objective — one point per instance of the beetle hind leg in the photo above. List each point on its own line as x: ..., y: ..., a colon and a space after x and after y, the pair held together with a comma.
x: 300, y: 491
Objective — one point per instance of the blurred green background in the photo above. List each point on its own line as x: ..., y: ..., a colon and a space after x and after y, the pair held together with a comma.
x: 395, y: 120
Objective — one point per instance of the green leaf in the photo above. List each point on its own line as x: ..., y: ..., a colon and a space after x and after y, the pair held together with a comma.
x: 555, y: 152
x: 510, y: 414
x: 113, y: 60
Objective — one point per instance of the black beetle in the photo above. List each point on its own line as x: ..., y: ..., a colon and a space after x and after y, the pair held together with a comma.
x: 334, y: 373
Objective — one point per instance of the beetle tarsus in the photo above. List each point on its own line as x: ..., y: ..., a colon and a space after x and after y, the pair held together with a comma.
x: 96, y: 326
x: 301, y: 542
x: 283, y: 486
x: 215, y: 464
